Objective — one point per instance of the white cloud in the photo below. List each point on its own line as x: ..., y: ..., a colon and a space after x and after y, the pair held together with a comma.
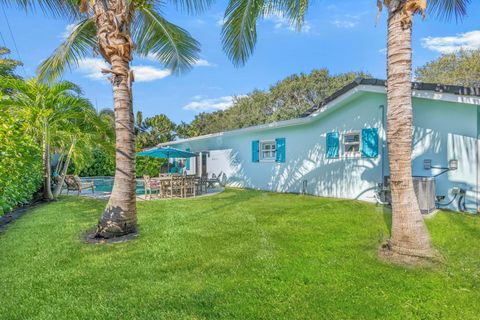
x: 348, y: 21
x: 199, y: 62
x: 68, y: 30
x: 149, y: 73
x: 466, y: 41
x: 282, y: 23
x: 213, y: 104
x: 204, y: 63
x: 345, y: 24
x: 91, y: 68
x: 383, y: 51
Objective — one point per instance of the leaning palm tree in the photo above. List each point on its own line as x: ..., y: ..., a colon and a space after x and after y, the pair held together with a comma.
x: 118, y: 29
x: 51, y: 111
x: 409, y: 237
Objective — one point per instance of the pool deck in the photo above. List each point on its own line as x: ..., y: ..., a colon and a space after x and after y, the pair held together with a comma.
x: 141, y: 197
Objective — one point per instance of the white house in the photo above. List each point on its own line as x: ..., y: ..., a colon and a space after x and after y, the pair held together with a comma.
x: 338, y: 149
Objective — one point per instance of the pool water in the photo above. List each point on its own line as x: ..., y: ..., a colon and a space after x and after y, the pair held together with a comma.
x: 105, y: 184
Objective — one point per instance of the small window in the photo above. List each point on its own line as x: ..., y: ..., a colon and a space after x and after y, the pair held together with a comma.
x: 351, y: 144
x: 268, y: 150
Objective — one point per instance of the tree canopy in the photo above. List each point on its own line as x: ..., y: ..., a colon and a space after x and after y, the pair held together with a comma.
x: 7, y: 66
x: 287, y: 99
x: 461, y: 68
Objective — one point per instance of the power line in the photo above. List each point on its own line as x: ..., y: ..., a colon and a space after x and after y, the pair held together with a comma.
x: 13, y: 39
x: 3, y: 40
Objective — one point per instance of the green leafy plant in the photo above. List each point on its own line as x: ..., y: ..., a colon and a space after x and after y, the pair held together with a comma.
x: 20, y: 164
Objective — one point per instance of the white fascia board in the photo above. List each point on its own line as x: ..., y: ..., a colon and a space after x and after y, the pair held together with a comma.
x: 274, y: 125
x: 432, y: 95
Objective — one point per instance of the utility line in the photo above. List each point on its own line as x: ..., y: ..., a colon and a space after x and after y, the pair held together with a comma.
x: 3, y: 39
x: 13, y: 39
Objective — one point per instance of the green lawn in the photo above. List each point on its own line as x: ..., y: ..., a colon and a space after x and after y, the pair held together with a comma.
x: 237, y: 255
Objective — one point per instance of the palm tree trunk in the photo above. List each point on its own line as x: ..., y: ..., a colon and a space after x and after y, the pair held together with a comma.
x: 59, y: 187
x: 47, y: 187
x: 113, y: 35
x: 409, y: 236
x: 59, y: 162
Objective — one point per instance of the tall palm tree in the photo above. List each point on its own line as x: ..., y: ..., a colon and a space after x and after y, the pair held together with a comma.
x: 51, y: 110
x: 409, y: 236
x: 118, y: 29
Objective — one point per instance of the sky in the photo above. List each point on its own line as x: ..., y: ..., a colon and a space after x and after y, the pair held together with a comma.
x: 342, y: 36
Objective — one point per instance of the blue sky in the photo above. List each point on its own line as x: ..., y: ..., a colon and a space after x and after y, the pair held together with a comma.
x: 338, y: 35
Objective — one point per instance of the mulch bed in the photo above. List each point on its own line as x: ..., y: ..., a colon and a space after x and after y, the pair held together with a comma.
x: 90, y: 237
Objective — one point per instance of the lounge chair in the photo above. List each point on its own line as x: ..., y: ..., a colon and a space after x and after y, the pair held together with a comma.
x: 75, y: 184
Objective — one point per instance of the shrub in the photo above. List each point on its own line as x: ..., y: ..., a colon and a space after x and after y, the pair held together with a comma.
x: 148, y: 166
x: 102, y: 164
x: 20, y: 164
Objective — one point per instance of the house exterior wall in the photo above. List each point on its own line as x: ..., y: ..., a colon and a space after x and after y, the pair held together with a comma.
x: 443, y: 131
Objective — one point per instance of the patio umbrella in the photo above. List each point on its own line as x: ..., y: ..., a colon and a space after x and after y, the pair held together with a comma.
x: 166, y: 152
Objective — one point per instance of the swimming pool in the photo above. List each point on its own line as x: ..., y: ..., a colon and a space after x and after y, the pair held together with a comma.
x: 105, y: 184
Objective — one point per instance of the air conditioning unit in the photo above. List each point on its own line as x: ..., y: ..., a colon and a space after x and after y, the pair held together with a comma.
x: 425, y: 192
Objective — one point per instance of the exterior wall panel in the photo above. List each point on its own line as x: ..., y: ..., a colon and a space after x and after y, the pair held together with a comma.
x: 443, y: 131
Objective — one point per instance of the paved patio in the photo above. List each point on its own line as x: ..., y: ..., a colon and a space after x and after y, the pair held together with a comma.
x: 106, y: 195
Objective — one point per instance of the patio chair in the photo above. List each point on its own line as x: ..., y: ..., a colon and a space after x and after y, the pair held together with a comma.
x: 172, y: 186
x: 189, y: 186
x: 213, y: 180
x: 75, y: 184
x: 201, y: 184
x: 150, y: 186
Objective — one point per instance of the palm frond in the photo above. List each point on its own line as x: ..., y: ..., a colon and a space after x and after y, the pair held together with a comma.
x: 192, y: 6
x: 60, y: 9
x: 169, y: 44
x: 78, y: 44
x: 293, y: 10
x: 239, y: 31
x: 448, y: 9
x: 65, y: 88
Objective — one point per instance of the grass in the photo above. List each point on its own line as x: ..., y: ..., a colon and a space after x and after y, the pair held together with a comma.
x: 238, y: 255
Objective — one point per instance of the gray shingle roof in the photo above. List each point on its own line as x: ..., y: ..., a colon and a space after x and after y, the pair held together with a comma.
x: 441, y: 88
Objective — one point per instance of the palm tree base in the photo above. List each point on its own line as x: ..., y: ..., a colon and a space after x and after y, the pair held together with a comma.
x: 112, y: 228
x: 408, y: 256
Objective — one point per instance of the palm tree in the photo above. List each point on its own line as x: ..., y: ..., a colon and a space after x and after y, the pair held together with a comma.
x: 80, y: 139
x: 51, y: 111
x: 118, y: 29
x: 409, y: 236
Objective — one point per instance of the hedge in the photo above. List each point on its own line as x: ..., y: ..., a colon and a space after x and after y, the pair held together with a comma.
x: 20, y: 165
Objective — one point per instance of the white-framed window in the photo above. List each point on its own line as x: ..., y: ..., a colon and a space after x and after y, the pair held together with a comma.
x: 351, y: 142
x: 268, y: 150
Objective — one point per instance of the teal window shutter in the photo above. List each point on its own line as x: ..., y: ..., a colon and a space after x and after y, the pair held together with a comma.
x: 280, y: 149
x: 255, y: 151
x: 370, y: 143
x: 187, y: 162
x: 333, y: 145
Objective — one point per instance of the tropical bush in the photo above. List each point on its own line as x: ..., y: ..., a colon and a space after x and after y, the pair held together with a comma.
x: 102, y: 164
x: 148, y: 166
x: 20, y: 164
